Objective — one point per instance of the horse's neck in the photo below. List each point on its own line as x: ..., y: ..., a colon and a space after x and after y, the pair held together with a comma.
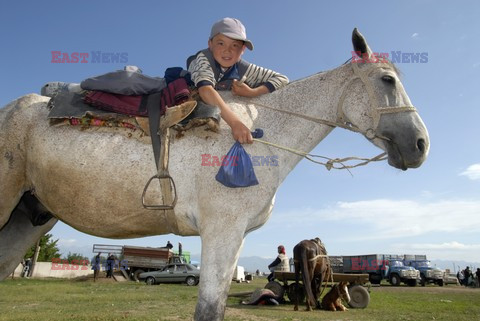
x: 315, y: 96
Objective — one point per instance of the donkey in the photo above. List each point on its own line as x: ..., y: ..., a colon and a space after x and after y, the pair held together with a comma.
x: 93, y: 179
x: 310, y: 259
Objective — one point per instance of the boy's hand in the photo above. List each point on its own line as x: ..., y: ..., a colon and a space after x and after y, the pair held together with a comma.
x: 242, y: 89
x: 241, y: 133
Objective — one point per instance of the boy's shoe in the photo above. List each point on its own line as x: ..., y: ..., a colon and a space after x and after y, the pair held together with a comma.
x: 176, y: 114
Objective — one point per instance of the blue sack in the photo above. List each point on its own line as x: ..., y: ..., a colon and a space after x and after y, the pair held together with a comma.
x: 237, y: 168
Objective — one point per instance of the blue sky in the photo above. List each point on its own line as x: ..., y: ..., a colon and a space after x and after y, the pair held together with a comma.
x: 433, y: 210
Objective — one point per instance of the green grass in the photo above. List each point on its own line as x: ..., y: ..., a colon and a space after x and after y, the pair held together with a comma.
x: 52, y: 299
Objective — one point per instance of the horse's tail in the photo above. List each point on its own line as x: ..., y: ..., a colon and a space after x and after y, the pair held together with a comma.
x: 297, y: 265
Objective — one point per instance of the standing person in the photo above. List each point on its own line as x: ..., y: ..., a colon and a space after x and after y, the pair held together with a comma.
x: 280, y: 263
x: 467, y: 274
x: 180, y: 250
x: 169, y: 245
x: 477, y: 274
x: 214, y: 69
x: 27, y: 265
x: 96, y: 266
x: 110, y: 265
x: 460, y: 277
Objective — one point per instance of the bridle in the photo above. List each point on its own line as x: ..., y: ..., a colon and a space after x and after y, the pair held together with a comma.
x: 342, y: 122
x: 376, y: 110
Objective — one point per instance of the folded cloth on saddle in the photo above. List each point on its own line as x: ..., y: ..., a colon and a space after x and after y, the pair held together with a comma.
x: 122, y: 104
x: 124, y: 82
x: 176, y: 93
x: 50, y: 89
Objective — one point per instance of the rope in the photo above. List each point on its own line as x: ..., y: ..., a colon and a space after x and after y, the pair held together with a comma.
x: 347, y: 126
x: 331, y: 163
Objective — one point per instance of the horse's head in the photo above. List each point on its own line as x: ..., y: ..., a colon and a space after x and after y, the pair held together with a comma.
x: 343, y: 291
x: 375, y: 103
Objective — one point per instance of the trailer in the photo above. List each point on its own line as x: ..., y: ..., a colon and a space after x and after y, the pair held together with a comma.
x: 359, y: 295
x: 133, y: 260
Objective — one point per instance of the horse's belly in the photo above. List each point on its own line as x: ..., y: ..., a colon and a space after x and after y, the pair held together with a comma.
x: 94, y: 182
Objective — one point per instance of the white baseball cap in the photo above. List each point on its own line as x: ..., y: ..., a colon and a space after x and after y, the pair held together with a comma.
x: 233, y: 29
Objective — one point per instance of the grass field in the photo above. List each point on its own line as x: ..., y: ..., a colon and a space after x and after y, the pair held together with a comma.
x: 53, y: 299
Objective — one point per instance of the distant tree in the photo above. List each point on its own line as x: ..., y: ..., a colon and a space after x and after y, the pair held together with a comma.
x: 74, y: 256
x: 48, y: 249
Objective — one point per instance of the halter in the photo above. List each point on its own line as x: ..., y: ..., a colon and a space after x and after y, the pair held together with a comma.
x: 376, y: 111
x: 342, y: 121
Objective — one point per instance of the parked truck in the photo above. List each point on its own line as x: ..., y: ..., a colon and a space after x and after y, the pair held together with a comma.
x: 133, y: 260
x: 428, y: 273
x: 381, y: 267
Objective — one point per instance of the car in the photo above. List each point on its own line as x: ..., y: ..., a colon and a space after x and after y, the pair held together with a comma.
x: 173, y: 273
x: 451, y: 279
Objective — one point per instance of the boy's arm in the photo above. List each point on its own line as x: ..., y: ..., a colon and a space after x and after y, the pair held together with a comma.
x: 240, y: 132
x: 259, y: 81
x: 242, y: 89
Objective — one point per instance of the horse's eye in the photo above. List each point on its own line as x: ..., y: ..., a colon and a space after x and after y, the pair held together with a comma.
x: 388, y: 79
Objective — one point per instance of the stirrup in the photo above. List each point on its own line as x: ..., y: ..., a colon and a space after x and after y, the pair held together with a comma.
x: 161, y: 206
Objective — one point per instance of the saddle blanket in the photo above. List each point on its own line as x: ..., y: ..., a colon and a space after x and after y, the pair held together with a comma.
x: 69, y: 108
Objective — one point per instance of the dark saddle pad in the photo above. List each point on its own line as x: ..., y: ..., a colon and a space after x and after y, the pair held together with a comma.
x: 69, y: 105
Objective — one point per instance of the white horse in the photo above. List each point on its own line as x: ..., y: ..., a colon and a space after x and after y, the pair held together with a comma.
x: 93, y: 179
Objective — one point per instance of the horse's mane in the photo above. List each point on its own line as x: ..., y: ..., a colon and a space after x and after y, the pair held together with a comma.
x: 385, y: 61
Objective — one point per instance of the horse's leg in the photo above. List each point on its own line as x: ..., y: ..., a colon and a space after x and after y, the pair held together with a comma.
x: 298, y: 268
x: 221, y: 244
x: 22, y: 230
x: 316, y: 285
x: 14, y: 118
x: 339, y: 306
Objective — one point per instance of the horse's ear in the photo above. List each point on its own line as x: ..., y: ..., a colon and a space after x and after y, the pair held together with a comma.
x: 359, y: 43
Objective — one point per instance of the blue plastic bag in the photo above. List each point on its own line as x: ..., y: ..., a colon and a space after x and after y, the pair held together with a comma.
x: 237, y: 168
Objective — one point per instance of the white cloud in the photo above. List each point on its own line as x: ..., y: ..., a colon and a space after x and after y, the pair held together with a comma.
x: 454, y: 245
x: 472, y: 172
x: 415, y: 35
x: 388, y: 219
x: 67, y: 242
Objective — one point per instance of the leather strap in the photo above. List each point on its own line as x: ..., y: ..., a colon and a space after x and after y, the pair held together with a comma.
x: 160, y: 152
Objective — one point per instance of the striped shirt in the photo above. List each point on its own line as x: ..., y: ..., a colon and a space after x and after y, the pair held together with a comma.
x: 202, y: 74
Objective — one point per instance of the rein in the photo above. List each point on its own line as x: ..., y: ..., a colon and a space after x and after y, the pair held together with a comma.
x: 342, y: 122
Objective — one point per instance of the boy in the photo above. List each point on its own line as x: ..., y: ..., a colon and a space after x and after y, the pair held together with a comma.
x: 214, y: 68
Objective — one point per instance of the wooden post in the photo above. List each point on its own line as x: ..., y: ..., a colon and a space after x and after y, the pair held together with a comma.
x: 35, y: 258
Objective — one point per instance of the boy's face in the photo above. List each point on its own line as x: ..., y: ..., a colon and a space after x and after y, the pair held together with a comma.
x: 226, y: 51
